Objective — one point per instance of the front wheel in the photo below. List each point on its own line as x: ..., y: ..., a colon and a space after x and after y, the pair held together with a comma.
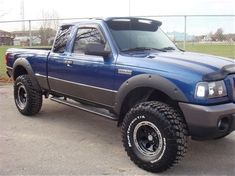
x: 154, y: 136
x: 28, y: 99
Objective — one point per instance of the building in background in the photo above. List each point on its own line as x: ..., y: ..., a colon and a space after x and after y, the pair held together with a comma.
x: 179, y: 36
x: 41, y: 37
x: 6, y: 38
x: 25, y: 40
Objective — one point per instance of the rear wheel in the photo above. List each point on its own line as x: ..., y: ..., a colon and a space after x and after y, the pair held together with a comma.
x: 154, y: 136
x: 28, y: 99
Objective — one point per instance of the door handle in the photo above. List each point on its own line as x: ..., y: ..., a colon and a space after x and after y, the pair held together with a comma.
x: 69, y: 62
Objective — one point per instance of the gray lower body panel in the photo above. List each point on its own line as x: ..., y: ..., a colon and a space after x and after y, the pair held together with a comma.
x: 93, y: 94
x: 42, y: 81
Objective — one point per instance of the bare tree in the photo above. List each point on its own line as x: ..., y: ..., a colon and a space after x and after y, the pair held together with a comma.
x: 50, y: 19
x: 48, y: 26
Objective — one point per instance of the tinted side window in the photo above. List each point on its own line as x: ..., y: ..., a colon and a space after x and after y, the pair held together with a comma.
x: 85, y: 36
x: 62, y: 38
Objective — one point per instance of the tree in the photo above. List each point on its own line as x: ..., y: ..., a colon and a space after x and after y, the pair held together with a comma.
x: 49, y: 26
x: 218, y: 35
x: 45, y: 34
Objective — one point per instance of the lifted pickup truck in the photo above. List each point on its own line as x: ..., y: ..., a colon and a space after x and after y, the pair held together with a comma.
x: 127, y: 70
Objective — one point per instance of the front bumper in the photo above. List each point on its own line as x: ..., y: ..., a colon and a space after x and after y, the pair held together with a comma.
x: 209, y: 122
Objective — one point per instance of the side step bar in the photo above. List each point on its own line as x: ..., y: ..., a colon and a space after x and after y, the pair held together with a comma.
x: 97, y: 111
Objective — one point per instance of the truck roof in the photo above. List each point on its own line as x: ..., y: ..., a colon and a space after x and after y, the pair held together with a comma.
x: 97, y: 20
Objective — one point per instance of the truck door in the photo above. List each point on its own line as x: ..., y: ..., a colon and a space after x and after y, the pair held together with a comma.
x: 87, y: 77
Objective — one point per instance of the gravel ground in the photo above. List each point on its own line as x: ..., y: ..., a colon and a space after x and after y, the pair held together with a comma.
x: 65, y: 141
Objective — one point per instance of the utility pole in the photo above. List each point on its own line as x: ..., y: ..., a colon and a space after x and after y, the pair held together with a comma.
x: 22, y: 15
x: 129, y: 7
x: 185, y: 31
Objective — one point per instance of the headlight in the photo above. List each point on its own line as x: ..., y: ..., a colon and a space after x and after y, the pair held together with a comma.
x: 211, y: 89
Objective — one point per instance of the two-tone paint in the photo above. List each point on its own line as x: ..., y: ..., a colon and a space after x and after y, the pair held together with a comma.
x: 108, y: 79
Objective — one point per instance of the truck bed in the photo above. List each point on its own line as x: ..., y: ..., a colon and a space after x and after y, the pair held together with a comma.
x: 36, y: 58
x: 29, y: 53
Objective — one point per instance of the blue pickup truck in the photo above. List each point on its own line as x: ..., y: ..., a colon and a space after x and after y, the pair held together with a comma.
x: 126, y: 69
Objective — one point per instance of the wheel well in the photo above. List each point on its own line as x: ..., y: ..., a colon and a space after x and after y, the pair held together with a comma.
x: 139, y: 95
x: 19, y: 70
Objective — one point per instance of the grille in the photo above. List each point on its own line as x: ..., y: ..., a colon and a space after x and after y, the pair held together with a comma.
x: 231, y: 89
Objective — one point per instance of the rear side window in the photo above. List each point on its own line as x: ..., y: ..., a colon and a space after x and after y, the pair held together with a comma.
x: 62, y: 38
x: 85, y: 36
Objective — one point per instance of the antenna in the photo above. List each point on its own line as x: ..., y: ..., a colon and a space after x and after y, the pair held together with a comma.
x: 22, y: 14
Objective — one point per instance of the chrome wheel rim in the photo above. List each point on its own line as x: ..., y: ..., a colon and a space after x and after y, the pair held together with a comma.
x: 148, y: 139
x: 21, y: 99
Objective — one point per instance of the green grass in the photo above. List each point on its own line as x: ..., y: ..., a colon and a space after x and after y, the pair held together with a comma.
x: 2, y: 60
x: 214, y: 49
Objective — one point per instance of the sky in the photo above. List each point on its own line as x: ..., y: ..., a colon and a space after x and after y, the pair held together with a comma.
x: 11, y: 10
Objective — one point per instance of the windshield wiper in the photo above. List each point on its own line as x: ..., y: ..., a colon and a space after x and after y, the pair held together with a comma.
x: 168, y: 48
x: 142, y: 49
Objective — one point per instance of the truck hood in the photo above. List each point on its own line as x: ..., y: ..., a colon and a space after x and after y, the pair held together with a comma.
x: 175, y: 62
x: 180, y: 64
x: 194, y: 61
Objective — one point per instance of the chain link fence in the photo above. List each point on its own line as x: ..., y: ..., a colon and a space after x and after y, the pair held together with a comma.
x: 212, y: 34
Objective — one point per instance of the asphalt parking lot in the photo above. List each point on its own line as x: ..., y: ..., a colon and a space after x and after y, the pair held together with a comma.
x: 61, y: 140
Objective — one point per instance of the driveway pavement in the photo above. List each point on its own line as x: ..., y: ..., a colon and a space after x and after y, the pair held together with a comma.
x: 61, y: 140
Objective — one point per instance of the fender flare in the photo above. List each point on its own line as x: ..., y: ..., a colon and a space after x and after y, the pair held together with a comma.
x: 23, y: 62
x: 151, y: 81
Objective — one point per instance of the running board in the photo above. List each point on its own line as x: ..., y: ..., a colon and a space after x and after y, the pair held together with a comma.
x: 97, y: 111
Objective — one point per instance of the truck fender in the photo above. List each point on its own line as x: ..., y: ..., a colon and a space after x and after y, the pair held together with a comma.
x: 23, y: 62
x: 151, y: 81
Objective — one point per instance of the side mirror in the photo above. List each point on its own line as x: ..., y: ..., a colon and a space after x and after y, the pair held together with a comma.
x: 96, y: 49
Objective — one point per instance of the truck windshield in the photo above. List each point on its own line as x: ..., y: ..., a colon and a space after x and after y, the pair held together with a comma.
x: 138, y: 34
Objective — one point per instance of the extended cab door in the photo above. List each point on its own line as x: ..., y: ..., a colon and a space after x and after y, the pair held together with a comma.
x: 87, y: 77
